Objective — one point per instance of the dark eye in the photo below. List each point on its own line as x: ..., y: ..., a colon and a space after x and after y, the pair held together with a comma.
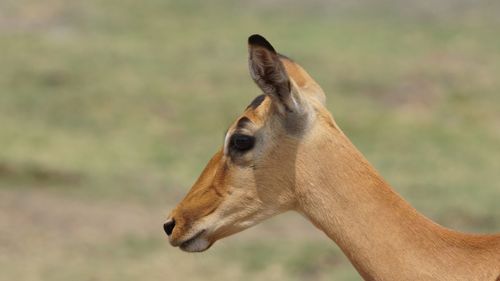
x: 242, y: 142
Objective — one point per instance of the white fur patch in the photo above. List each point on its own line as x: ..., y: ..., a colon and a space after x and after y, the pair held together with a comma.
x: 198, y: 245
x: 226, y: 142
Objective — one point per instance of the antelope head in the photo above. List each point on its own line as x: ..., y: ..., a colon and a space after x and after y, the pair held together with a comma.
x: 266, y: 158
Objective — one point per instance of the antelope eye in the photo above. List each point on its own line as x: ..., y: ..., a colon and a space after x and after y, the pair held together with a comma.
x: 241, y: 142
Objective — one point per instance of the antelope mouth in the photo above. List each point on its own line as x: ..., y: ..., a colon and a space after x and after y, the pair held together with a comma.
x: 196, y: 243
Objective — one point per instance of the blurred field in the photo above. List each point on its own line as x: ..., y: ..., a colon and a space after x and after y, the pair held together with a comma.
x: 110, y: 109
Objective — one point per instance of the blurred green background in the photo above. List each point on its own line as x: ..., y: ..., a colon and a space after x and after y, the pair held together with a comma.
x: 110, y: 109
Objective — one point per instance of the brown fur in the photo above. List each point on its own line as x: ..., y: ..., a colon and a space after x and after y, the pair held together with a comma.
x: 319, y: 173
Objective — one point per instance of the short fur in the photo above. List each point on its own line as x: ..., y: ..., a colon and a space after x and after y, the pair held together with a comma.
x: 302, y: 161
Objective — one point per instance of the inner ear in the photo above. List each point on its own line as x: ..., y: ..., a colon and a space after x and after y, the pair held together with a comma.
x: 269, y: 73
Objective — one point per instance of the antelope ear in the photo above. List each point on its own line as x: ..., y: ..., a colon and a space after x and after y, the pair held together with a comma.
x: 269, y: 73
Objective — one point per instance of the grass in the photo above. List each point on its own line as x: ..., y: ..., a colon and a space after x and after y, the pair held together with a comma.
x: 110, y: 109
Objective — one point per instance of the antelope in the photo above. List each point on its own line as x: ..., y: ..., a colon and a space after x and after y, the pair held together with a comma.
x: 286, y: 153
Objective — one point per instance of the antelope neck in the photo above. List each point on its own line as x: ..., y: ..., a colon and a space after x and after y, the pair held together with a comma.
x: 381, y: 234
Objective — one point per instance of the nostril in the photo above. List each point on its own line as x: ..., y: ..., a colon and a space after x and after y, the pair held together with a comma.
x: 169, y: 227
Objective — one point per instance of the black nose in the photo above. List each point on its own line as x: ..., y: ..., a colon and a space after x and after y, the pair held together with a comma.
x: 169, y: 227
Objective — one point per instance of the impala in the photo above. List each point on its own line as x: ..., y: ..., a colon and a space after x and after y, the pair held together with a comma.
x: 285, y: 152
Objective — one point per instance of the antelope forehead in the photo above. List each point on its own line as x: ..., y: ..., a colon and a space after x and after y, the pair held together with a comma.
x: 243, y: 122
x: 253, y: 115
x: 256, y: 102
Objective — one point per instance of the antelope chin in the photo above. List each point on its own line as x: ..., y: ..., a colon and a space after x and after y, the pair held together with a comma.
x: 197, y: 243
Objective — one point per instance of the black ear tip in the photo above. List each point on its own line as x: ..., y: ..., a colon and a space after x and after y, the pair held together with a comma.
x: 258, y: 40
